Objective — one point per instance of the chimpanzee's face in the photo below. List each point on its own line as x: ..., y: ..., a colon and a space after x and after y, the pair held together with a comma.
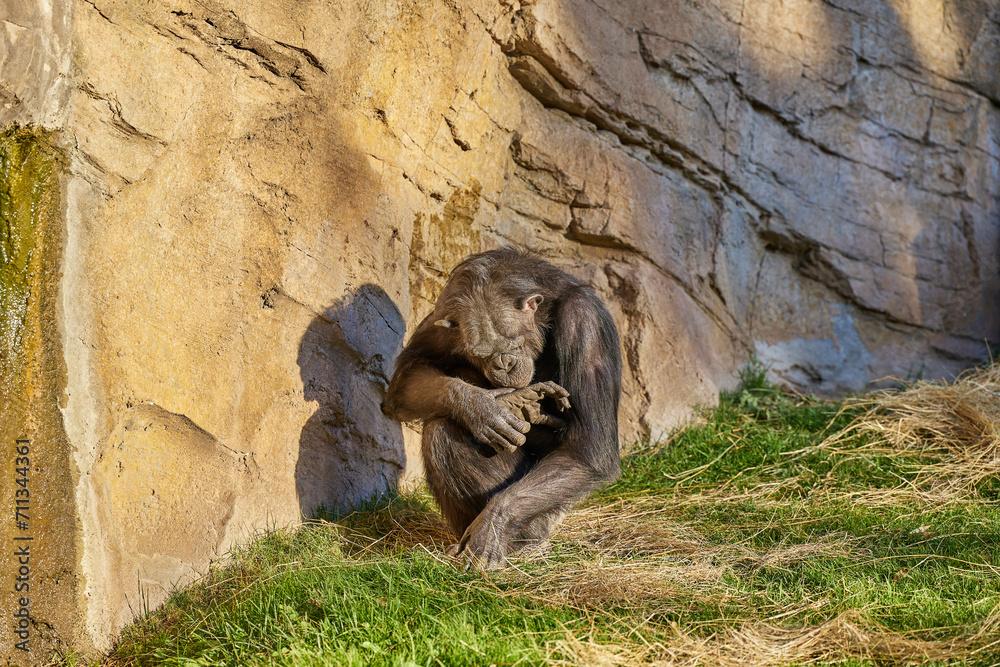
x: 498, y: 335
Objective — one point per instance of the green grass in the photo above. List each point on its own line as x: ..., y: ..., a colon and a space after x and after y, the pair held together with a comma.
x: 295, y: 598
x: 738, y: 541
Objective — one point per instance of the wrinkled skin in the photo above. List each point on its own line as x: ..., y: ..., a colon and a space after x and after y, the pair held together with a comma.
x: 488, y: 422
x: 527, y: 402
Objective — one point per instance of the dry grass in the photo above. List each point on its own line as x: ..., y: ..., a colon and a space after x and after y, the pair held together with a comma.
x: 761, y: 644
x: 948, y: 433
x: 401, y: 526
x: 643, y: 528
x: 626, y: 554
x: 636, y: 525
x: 632, y: 555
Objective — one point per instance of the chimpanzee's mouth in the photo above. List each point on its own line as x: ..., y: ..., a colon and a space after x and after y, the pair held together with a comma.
x: 510, y: 370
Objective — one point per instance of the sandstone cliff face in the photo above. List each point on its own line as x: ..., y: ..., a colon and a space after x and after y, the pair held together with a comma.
x: 261, y: 199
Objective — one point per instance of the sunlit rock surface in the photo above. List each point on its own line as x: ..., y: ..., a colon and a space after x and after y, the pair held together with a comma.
x: 260, y: 199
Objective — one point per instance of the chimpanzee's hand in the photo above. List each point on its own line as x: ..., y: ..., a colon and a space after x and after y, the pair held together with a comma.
x: 480, y: 413
x: 527, y: 402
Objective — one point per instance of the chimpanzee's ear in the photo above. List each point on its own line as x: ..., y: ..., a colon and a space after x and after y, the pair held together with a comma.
x: 531, y: 303
x: 447, y: 324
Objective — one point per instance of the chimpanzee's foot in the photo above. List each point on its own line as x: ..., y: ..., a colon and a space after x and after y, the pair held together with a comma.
x: 483, y: 546
x: 530, y: 548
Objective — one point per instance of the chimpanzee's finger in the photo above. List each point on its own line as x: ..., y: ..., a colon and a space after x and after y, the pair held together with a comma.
x: 526, y: 395
x: 550, y: 388
x: 554, y: 391
x: 540, y: 388
x: 545, y: 419
x: 505, y: 436
x: 513, y: 420
x: 491, y: 435
x: 507, y: 448
x: 499, y: 443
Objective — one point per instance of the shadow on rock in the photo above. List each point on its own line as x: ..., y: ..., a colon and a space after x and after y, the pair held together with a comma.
x: 349, y: 451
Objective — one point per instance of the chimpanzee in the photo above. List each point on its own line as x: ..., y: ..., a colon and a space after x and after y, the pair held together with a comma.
x: 511, y: 341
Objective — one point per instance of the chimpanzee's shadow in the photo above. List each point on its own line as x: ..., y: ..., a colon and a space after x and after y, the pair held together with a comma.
x: 348, y: 450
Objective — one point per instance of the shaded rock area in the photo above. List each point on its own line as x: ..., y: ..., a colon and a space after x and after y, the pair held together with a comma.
x: 260, y: 199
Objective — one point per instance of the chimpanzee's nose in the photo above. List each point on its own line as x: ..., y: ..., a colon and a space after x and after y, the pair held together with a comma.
x: 503, y: 362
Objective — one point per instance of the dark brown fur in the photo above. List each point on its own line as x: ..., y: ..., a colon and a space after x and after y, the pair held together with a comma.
x: 511, y: 334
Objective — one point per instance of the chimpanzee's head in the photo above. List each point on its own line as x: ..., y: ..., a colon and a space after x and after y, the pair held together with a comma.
x: 493, y: 312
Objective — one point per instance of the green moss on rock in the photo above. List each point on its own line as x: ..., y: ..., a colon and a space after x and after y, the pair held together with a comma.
x: 32, y: 381
x: 26, y: 195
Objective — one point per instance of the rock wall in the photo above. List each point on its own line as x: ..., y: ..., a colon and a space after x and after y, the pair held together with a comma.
x: 260, y: 199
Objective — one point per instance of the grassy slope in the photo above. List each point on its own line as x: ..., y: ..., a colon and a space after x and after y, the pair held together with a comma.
x: 740, y: 541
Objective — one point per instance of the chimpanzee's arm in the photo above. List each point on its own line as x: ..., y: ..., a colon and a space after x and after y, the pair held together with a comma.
x: 420, y: 389
x: 589, y: 367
